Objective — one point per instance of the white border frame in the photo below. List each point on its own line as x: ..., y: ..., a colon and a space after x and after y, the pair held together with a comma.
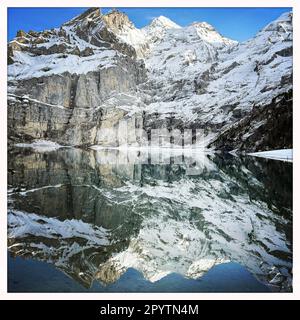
x: 3, y: 159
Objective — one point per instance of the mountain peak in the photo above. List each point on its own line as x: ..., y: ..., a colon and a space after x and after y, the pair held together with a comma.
x: 90, y: 14
x: 116, y: 20
x: 204, y: 25
x: 208, y: 33
x: 164, y: 22
x: 282, y: 24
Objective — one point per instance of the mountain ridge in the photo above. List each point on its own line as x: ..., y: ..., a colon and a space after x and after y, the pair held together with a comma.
x: 178, y: 77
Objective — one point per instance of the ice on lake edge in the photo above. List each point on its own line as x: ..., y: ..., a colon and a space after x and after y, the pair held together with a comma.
x: 281, y: 154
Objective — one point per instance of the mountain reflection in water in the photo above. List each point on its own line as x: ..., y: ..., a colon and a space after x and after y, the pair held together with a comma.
x: 94, y: 220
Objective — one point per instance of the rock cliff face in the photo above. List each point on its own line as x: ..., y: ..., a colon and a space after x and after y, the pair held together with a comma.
x: 264, y: 128
x: 71, y: 83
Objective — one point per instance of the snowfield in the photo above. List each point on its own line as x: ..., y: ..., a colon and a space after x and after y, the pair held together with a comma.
x: 283, y: 154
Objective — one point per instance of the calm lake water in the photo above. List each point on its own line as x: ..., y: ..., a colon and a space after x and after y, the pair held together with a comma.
x: 85, y: 220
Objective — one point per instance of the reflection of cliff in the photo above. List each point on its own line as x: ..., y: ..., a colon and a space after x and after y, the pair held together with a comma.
x: 274, y: 177
x: 157, y: 219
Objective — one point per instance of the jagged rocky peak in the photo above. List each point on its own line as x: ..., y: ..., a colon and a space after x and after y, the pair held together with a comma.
x: 117, y: 20
x: 92, y: 14
x: 125, y: 31
x: 110, y: 30
x: 21, y: 34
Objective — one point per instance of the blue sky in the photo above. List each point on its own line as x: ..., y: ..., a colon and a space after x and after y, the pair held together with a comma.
x: 235, y: 23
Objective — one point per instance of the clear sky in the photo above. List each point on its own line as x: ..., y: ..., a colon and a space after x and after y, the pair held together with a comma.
x: 235, y: 23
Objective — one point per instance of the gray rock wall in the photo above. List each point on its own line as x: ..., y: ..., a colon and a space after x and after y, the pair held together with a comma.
x: 67, y: 108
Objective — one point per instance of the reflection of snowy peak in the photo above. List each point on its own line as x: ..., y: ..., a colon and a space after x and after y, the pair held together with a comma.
x: 205, y: 229
x: 95, y: 220
x: 183, y: 77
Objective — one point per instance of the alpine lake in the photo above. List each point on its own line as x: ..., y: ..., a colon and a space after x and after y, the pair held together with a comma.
x: 138, y: 221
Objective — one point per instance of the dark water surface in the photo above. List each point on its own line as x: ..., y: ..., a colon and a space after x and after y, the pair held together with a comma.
x: 28, y: 275
x: 103, y: 221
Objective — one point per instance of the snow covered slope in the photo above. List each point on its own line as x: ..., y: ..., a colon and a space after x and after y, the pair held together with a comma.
x: 183, y: 77
x: 202, y: 76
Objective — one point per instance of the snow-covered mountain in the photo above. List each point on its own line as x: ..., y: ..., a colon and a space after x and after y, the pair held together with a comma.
x: 68, y: 83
